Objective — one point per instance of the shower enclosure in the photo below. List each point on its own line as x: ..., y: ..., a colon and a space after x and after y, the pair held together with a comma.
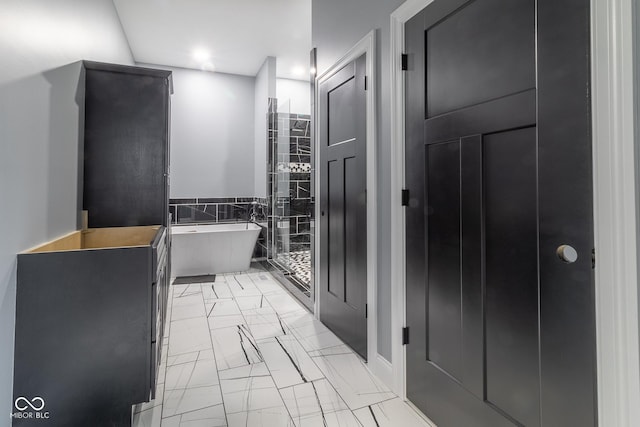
x: 291, y: 198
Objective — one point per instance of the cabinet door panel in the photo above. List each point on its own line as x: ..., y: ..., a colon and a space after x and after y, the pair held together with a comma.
x: 125, y: 147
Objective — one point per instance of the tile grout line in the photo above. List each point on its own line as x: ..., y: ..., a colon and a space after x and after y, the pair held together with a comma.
x: 293, y: 389
x: 170, y: 317
x: 166, y: 362
x: 164, y: 343
x: 263, y: 361
x: 315, y: 392
x: 328, y: 379
x: 215, y: 360
x: 320, y: 370
x: 184, y: 391
x: 245, y: 323
x: 314, y: 363
x: 254, y: 279
x: 193, y: 411
x: 377, y: 403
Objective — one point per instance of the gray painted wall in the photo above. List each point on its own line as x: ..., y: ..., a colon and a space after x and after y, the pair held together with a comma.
x: 636, y: 108
x: 337, y: 25
x: 265, y: 88
x: 297, y: 92
x: 212, y: 132
x: 40, y: 44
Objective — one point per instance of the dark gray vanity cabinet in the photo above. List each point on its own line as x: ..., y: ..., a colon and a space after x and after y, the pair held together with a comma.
x: 89, y: 325
x: 126, y: 152
x: 91, y: 306
x: 126, y: 145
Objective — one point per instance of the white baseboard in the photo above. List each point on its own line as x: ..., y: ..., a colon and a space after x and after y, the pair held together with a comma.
x: 383, y: 369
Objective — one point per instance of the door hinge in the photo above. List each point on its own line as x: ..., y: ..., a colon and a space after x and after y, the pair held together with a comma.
x: 366, y: 81
x: 593, y: 258
x: 405, y: 197
x: 404, y: 62
x: 366, y: 311
x: 405, y: 335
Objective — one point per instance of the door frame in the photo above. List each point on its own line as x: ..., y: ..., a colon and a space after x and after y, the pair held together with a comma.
x: 367, y: 46
x: 615, y: 213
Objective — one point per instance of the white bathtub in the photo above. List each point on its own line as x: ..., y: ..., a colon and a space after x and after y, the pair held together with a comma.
x: 212, y: 248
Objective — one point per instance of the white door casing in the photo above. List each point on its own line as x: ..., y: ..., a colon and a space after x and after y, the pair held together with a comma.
x: 367, y: 45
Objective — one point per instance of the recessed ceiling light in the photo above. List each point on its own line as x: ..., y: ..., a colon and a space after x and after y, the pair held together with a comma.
x: 201, y: 55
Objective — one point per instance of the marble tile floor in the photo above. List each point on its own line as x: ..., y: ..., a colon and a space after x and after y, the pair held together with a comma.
x: 241, y: 351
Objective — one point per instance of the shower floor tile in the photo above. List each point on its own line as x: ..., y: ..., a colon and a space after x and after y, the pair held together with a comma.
x: 299, y: 263
x: 242, y: 351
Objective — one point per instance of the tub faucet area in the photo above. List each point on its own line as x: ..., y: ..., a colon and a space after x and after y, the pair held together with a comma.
x: 255, y: 212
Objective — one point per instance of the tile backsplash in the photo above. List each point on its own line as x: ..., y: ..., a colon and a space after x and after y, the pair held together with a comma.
x: 214, y: 210
x: 222, y: 210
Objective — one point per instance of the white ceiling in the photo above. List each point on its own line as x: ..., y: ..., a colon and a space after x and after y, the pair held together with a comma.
x: 237, y: 35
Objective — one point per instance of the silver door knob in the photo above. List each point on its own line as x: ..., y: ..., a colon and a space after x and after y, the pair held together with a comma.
x: 567, y: 253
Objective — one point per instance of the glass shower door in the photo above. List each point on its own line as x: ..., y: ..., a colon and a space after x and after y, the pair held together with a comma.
x: 281, y: 193
x: 291, y: 198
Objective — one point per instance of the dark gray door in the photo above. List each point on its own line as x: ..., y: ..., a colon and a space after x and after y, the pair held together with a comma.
x: 343, y: 217
x: 498, y: 165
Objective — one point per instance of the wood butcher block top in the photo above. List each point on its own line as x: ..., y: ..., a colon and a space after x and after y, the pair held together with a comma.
x: 100, y: 238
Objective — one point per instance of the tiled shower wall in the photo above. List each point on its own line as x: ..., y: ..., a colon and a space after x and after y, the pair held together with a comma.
x: 293, y: 170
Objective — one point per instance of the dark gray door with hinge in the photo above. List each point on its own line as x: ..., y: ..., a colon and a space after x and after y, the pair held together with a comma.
x: 343, y: 217
x: 499, y: 237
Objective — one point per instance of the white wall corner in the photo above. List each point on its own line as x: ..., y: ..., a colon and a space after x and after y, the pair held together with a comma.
x: 271, y: 67
x: 397, y: 214
x: 265, y: 88
x: 615, y: 214
x: 383, y: 369
x: 124, y: 33
x: 636, y: 74
x: 398, y: 282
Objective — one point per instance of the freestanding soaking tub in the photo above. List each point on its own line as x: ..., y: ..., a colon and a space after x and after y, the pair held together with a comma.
x: 212, y: 248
